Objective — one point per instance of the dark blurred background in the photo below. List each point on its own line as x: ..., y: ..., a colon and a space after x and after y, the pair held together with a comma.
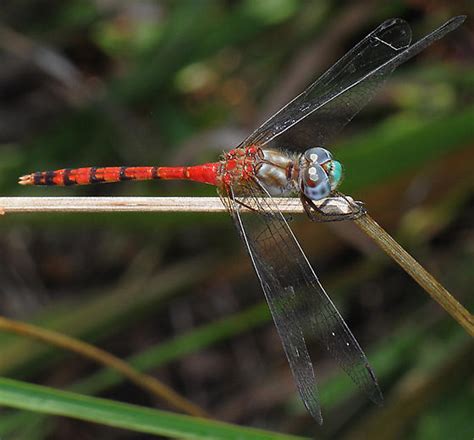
x: 114, y: 82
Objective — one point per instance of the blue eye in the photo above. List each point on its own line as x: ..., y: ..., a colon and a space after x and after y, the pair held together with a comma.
x: 317, y: 154
x: 335, y: 174
x: 315, y: 182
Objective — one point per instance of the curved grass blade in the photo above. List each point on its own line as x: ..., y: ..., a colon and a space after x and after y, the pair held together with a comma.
x: 46, y: 400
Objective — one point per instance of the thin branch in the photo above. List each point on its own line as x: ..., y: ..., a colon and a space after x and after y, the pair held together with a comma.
x: 337, y: 205
x: 144, y: 381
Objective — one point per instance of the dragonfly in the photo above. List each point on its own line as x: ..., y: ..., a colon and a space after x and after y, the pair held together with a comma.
x: 286, y: 157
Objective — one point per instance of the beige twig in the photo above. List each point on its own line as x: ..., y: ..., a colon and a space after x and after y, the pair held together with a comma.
x: 337, y: 205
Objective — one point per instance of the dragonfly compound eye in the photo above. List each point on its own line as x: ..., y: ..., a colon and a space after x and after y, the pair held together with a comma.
x: 317, y: 155
x: 334, y: 171
x: 315, y: 182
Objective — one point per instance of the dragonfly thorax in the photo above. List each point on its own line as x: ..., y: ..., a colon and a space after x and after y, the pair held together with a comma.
x: 319, y: 173
x: 276, y: 172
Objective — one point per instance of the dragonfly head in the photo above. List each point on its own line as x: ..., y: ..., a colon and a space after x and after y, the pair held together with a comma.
x: 320, y: 173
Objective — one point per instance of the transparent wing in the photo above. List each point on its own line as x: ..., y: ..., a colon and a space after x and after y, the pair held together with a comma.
x: 298, y: 302
x: 327, y: 105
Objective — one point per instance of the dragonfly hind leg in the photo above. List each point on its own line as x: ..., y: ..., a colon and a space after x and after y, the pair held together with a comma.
x: 322, y: 214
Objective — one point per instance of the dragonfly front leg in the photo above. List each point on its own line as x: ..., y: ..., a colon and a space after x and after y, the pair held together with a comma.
x: 322, y: 213
x: 229, y: 192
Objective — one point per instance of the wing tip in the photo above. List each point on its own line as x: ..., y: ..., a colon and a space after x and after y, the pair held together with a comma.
x: 375, y: 393
x: 403, y: 36
x: 458, y: 19
x: 392, y: 21
x: 316, y: 414
x: 377, y: 397
x: 453, y: 23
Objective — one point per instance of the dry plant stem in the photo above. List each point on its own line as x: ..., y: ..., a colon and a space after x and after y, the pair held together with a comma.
x: 417, y: 272
x: 102, y: 357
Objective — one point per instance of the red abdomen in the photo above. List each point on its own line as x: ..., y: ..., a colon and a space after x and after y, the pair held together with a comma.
x: 206, y: 173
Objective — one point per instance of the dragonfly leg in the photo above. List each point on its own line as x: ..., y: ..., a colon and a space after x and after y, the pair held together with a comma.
x: 244, y: 205
x: 230, y: 194
x: 320, y: 214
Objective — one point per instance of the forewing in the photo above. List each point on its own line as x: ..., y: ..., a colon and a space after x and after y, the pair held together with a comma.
x: 315, y: 116
x: 297, y: 300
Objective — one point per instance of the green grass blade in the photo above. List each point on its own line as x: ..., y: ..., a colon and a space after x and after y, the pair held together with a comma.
x: 46, y: 400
